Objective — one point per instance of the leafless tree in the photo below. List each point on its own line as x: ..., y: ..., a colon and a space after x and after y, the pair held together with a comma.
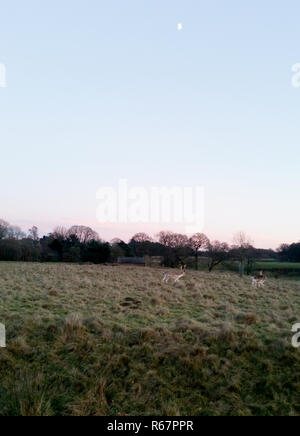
x: 141, y: 237
x: 180, y: 241
x: 173, y: 240
x: 141, y: 244
x: 165, y: 238
x: 244, y: 251
x: 198, y: 242
x: 83, y: 233
x: 218, y: 252
x: 242, y: 240
x: 115, y: 241
x: 15, y: 232
x: 34, y: 233
x: 177, y: 243
x: 3, y: 228
x: 282, y: 247
x: 60, y: 233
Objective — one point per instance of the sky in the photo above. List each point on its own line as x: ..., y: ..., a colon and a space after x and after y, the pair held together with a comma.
x: 99, y: 91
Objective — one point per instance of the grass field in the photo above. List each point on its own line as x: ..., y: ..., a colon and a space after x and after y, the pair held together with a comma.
x: 286, y: 270
x: 273, y: 268
x: 100, y: 340
x: 269, y: 266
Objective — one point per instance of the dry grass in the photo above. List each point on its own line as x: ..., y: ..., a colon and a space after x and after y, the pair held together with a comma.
x: 99, y: 340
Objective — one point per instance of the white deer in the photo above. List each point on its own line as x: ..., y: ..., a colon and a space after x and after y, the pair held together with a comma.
x: 174, y: 277
x: 258, y: 282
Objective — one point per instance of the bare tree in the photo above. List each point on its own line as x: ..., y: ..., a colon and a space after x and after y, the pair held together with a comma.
x: 60, y: 233
x: 83, y: 233
x: 218, y: 252
x: 34, y: 233
x: 177, y: 244
x: 3, y: 228
x: 180, y: 241
x: 173, y: 240
x: 165, y: 238
x: 141, y: 237
x: 115, y: 241
x: 244, y: 251
x: 198, y: 242
x: 141, y: 244
x: 15, y: 232
x: 242, y: 240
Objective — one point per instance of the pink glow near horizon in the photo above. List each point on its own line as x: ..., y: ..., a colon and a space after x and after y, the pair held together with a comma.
x: 155, y: 105
x: 109, y: 231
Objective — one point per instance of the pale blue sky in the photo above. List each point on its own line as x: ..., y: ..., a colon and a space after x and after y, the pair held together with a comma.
x: 103, y: 90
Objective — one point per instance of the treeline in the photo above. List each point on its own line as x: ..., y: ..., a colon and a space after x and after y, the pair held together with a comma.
x: 289, y: 253
x: 82, y: 244
x: 77, y: 244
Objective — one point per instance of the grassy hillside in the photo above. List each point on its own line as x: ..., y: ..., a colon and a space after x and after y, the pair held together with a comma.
x: 96, y: 340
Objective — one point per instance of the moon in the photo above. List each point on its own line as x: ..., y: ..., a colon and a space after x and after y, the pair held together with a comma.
x: 179, y: 26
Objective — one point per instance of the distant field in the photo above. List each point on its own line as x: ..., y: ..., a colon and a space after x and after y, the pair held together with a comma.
x: 287, y: 270
x: 278, y: 265
x: 284, y: 269
x: 101, y: 340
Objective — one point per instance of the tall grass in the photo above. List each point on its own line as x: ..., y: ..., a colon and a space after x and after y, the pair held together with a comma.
x: 99, y: 340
